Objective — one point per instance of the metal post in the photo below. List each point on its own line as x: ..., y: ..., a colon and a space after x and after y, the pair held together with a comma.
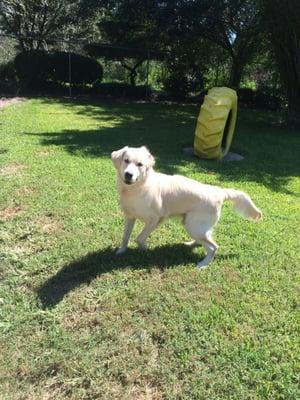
x: 70, y: 73
x: 147, y: 80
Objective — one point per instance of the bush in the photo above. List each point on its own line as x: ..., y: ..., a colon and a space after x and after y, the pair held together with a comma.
x: 267, y: 101
x: 84, y: 70
x: 7, y: 71
x: 176, y: 85
x: 8, y: 87
x: 121, y: 90
x: 34, y: 68
x: 258, y: 99
x: 182, y: 80
x: 8, y: 83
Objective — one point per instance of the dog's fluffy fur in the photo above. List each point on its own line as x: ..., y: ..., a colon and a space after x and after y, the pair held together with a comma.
x: 153, y: 197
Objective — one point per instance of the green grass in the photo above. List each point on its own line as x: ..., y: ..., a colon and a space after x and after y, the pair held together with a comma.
x: 78, y: 322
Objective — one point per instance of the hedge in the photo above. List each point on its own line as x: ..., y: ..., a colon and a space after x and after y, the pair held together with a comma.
x: 34, y: 68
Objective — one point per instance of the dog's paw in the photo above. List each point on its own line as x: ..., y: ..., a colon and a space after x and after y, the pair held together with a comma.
x: 202, y: 264
x: 121, y: 250
x: 141, y: 245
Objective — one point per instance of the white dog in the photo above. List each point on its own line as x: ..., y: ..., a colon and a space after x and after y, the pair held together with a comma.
x: 153, y: 197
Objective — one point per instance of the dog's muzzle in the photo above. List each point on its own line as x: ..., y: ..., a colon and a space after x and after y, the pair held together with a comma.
x: 128, y: 178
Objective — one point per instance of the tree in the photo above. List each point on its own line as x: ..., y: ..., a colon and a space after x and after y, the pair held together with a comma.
x: 33, y: 22
x: 236, y: 26
x: 233, y: 25
x: 130, y: 58
x: 129, y: 27
x: 283, y: 25
x: 132, y: 29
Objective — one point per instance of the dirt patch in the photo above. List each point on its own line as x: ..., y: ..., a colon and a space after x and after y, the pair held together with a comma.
x: 50, y: 224
x: 44, y: 153
x: 92, y: 317
x: 232, y: 275
x: 146, y: 393
x: 22, y: 249
x: 6, y: 101
x: 11, y: 169
x: 10, y: 212
x: 24, y: 191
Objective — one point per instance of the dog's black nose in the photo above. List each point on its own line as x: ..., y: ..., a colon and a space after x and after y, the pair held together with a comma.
x: 128, y: 176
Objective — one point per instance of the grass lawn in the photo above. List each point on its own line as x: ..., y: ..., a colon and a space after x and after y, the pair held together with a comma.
x: 79, y: 322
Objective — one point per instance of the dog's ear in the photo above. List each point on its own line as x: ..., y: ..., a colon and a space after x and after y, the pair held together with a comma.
x: 152, y: 160
x: 150, y: 156
x: 117, y: 156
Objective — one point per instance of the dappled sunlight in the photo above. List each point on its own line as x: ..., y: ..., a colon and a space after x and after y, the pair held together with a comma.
x: 94, y: 130
x: 83, y: 116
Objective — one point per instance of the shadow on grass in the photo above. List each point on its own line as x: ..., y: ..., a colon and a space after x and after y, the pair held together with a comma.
x: 87, y: 268
x: 117, y: 124
x: 271, y: 153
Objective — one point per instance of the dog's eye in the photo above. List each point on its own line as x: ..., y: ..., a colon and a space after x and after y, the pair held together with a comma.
x: 126, y: 161
x: 139, y: 164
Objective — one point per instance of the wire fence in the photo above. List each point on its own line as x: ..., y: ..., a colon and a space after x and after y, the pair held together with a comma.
x: 261, y: 88
x: 11, y: 45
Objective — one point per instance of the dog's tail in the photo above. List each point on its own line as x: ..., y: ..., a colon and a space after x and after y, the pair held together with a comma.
x: 242, y: 203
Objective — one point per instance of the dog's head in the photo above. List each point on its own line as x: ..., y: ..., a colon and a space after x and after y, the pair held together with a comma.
x: 132, y: 163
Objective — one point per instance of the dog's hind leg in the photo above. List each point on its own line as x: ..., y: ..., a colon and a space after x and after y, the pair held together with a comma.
x: 200, y: 229
x: 129, y: 224
x: 211, y: 247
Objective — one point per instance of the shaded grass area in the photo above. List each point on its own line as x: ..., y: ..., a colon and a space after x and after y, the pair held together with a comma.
x: 78, y: 322
x: 115, y: 125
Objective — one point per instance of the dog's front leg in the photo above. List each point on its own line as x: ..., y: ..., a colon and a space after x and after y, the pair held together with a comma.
x: 129, y: 224
x: 147, y: 230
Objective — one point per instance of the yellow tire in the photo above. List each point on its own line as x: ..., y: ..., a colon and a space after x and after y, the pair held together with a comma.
x: 216, y: 123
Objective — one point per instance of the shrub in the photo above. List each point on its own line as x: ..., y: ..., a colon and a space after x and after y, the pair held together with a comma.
x: 8, y: 83
x: 176, y: 85
x: 84, y: 70
x: 258, y: 99
x: 182, y: 80
x: 7, y: 71
x: 8, y: 87
x: 34, y: 68
x: 116, y: 89
x: 267, y: 101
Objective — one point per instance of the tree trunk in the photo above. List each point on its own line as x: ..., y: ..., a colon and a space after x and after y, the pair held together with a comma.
x: 132, y: 70
x: 283, y: 24
x: 288, y: 59
x: 293, y: 96
x: 132, y: 77
x: 236, y: 73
